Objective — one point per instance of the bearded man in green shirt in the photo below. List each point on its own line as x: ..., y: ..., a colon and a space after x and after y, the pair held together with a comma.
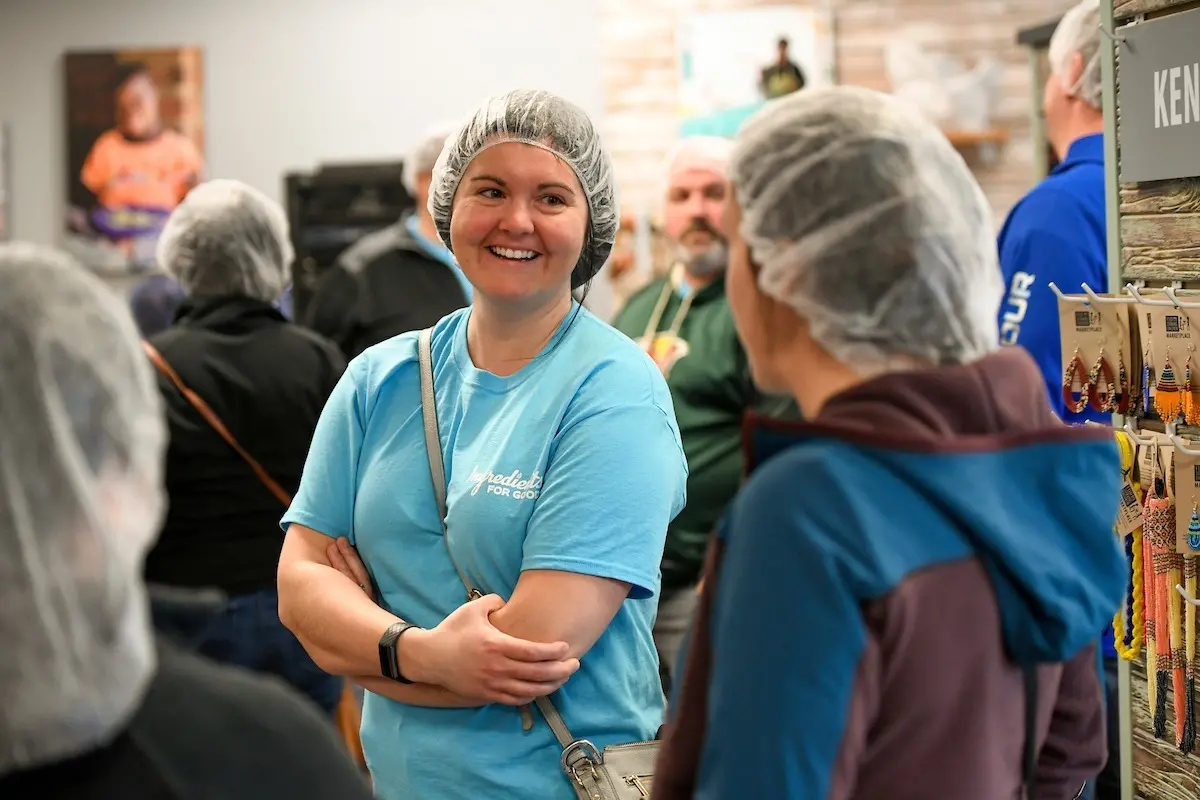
x: 683, y: 322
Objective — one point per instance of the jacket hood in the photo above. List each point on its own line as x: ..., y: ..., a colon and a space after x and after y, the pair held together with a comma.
x: 1036, y: 498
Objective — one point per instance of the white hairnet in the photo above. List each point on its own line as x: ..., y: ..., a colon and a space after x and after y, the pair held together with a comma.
x: 864, y: 219
x: 81, y: 499
x: 227, y: 238
x: 1079, y: 32
x: 424, y: 154
x: 709, y: 153
x: 541, y: 119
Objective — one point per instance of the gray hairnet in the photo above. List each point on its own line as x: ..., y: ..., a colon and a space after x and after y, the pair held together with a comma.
x: 1079, y: 32
x: 863, y: 218
x: 700, y: 152
x: 541, y: 119
x: 227, y: 238
x: 81, y: 499
x: 424, y: 154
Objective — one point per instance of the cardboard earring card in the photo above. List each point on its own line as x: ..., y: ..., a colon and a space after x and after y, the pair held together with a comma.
x: 1090, y: 331
x: 1171, y: 337
x: 1187, y: 504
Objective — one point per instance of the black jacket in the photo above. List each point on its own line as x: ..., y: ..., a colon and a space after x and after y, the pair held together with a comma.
x: 267, y: 380
x: 384, y: 284
x: 204, y: 732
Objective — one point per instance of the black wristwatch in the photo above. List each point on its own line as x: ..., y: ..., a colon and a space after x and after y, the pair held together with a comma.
x: 389, y: 665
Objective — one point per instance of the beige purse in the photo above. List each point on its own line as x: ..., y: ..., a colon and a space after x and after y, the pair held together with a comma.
x: 622, y: 772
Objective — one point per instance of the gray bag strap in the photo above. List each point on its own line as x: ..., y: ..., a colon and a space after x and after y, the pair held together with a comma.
x: 433, y: 446
x: 437, y: 471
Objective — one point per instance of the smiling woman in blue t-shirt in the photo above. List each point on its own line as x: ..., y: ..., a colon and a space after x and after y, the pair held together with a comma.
x: 563, y: 467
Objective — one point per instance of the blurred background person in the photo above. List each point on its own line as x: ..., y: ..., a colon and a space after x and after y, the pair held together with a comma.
x: 398, y: 279
x: 266, y: 381
x: 827, y: 661
x: 683, y: 322
x: 154, y: 301
x: 782, y: 77
x: 92, y: 705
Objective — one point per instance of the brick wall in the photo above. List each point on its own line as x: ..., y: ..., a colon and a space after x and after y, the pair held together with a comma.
x: 640, y: 75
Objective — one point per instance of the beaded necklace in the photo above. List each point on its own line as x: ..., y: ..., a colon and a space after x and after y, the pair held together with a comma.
x: 1129, y: 644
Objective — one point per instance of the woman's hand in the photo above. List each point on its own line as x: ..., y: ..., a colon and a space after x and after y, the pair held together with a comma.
x: 466, y: 653
x: 469, y: 656
x: 344, y: 558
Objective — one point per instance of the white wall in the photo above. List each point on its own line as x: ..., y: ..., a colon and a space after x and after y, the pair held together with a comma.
x: 290, y: 83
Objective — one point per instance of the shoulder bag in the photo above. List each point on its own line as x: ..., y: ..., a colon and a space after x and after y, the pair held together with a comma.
x: 621, y: 772
x: 348, y: 717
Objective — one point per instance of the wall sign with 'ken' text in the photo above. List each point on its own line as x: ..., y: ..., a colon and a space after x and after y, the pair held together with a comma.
x: 1158, y: 94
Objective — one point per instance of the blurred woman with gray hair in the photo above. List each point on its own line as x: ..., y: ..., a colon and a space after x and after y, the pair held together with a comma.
x: 232, y: 362
x: 905, y: 596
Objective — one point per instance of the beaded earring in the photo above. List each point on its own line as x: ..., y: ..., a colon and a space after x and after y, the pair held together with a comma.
x: 1147, y: 379
x: 1125, y: 388
x: 1075, y: 371
x: 1166, y: 395
x: 1102, y: 394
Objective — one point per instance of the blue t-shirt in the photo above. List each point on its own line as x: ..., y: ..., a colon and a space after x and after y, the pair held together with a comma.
x: 572, y: 463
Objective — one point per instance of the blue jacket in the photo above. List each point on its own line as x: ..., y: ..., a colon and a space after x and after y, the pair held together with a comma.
x: 1055, y: 234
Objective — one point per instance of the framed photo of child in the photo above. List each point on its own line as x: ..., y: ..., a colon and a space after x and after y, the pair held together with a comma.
x: 135, y: 147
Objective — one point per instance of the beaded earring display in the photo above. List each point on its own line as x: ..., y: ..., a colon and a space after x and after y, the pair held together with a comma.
x: 1075, y: 371
x: 1102, y: 391
x: 1166, y: 396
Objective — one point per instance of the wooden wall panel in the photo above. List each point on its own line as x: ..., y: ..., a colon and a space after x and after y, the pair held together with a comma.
x: 1160, y: 241
x: 1123, y: 9
x: 1160, y: 771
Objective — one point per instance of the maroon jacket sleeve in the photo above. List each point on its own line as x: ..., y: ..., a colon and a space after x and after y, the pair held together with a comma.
x: 683, y: 737
x: 1075, y: 747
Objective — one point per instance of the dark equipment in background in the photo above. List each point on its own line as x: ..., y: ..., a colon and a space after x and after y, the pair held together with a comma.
x: 331, y: 208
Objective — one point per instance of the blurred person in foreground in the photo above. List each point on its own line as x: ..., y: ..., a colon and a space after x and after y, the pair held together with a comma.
x: 266, y: 380
x: 825, y: 660
x: 395, y: 280
x: 683, y: 322
x: 93, y: 705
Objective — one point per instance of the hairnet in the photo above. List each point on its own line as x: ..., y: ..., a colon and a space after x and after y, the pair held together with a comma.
x: 541, y: 119
x: 424, y: 154
x: 709, y: 153
x: 1079, y: 32
x: 81, y: 443
x: 863, y: 218
x: 227, y: 238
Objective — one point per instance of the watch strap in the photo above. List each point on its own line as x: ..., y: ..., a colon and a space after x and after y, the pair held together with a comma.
x: 389, y: 662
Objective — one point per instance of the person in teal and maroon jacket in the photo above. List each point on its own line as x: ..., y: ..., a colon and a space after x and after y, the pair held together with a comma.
x: 682, y: 320
x: 905, y: 597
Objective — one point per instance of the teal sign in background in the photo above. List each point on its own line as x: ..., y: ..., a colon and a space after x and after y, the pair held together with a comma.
x: 725, y: 123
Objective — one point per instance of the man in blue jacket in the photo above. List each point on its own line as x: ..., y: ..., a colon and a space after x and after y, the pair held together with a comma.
x: 1057, y: 234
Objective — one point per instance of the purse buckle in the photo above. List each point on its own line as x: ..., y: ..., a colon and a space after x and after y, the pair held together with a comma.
x: 574, y: 767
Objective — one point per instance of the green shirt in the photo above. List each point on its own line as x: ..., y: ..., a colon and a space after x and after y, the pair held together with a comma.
x: 709, y: 378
